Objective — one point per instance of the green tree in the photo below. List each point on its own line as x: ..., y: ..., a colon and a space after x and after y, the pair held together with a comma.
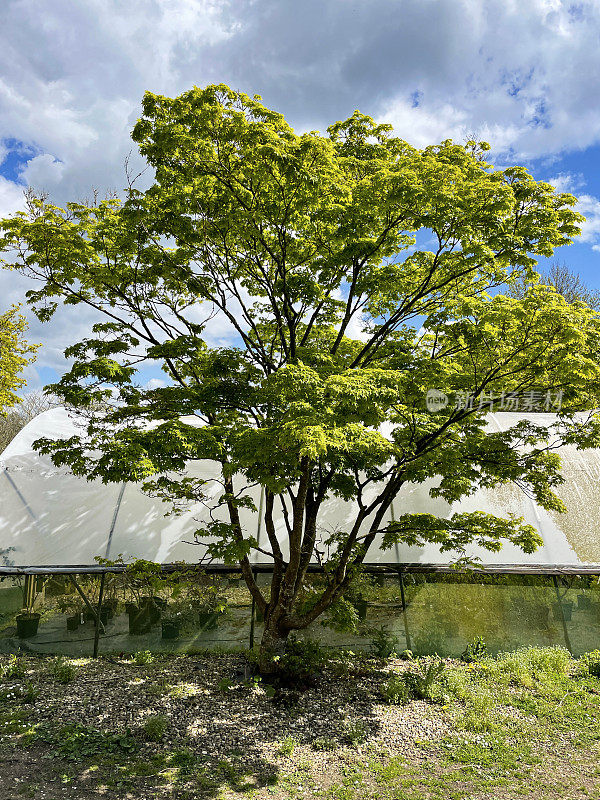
x: 15, y: 354
x: 357, y: 273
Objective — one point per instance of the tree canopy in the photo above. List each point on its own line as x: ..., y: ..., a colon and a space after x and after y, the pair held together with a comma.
x: 355, y: 274
x: 15, y: 354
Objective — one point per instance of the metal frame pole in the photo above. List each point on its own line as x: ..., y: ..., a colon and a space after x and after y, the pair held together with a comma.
x: 98, y: 623
x: 404, y: 616
x: 562, y: 615
x: 252, y: 616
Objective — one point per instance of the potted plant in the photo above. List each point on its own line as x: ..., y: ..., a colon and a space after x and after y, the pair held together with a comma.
x: 170, y: 627
x: 563, y: 608
x: 197, y: 600
x: 28, y: 622
x: 584, y: 602
x: 111, y: 604
x: 211, y: 607
x: 71, y: 605
x: 141, y: 581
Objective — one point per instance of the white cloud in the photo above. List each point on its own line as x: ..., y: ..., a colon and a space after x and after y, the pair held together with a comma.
x: 11, y: 197
x: 155, y: 383
x: 522, y: 75
x: 587, y: 205
x: 590, y: 207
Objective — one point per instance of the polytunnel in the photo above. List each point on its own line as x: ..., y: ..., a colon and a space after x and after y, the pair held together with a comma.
x: 52, y: 519
x: 53, y: 526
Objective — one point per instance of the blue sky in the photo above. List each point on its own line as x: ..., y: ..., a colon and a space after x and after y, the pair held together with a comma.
x: 524, y: 76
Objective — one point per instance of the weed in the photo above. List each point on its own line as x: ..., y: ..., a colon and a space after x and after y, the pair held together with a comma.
x: 530, y: 664
x: 74, y: 742
x: 421, y: 682
x: 226, y: 685
x: 181, y: 691
x: 14, y: 668
x: 589, y: 664
x: 26, y: 694
x: 63, y: 671
x: 287, y: 746
x: 155, y: 727
x: 29, y: 693
x: 355, y: 732
x: 324, y: 743
x: 383, y: 643
x: 143, y: 657
x: 395, y: 690
x: 475, y: 651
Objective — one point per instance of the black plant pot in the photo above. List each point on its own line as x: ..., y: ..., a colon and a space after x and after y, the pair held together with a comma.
x: 170, y: 629
x: 73, y: 622
x: 27, y: 625
x: 111, y: 606
x: 150, y: 607
x: 104, y: 616
x: 208, y: 620
x: 139, y: 620
x: 584, y: 602
x: 361, y: 608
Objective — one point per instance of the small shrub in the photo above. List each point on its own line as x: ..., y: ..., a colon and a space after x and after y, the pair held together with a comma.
x: 155, y: 727
x: 589, y: 664
x: 474, y: 651
x: 395, y: 690
x: 14, y: 668
x: 302, y: 660
x: 63, y: 671
x: 143, y: 657
x: 406, y: 655
x: 421, y: 683
x: 384, y: 644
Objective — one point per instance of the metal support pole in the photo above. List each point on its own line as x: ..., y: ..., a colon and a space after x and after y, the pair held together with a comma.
x: 562, y: 615
x: 405, y: 618
x: 252, y: 616
x: 98, y: 623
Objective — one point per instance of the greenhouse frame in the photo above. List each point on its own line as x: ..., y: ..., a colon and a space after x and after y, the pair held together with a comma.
x: 70, y: 554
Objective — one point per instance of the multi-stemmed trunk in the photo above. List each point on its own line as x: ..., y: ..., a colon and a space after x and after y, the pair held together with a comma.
x: 280, y: 611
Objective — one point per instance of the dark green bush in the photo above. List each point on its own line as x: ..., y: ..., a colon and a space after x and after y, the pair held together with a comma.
x: 302, y: 660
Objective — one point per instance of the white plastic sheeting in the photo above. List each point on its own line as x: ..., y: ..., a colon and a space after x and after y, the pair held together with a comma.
x: 49, y: 518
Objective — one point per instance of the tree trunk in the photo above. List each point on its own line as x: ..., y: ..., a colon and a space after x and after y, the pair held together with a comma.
x: 272, y: 648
